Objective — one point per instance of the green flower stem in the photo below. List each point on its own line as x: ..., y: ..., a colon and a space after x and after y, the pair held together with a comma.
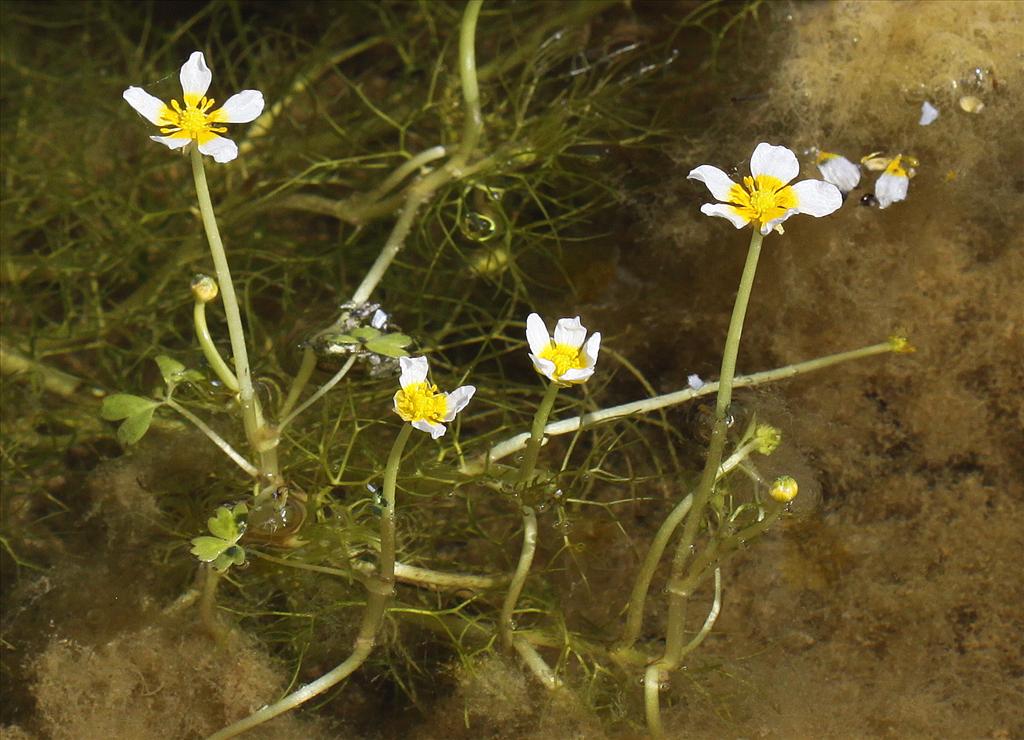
x: 675, y: 635
x: 299, y: 382
x: 540, y: 420
x: 226, y: 448
x: 421, y: 191
x: 638, y: 597
x: 529, y: 547
x: 251, y: 415
x: 381, y: 589
x: 320, y: 393
x: 568, y: 426
x: 210, y: 351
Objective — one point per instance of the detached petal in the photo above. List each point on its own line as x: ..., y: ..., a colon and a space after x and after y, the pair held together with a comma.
x: 891, y: 189
x: 839, y: 171
x: 570, y: 332
x: 719, y: 209
x: 195, y: 75
x: 241, y: 107
x: 222, y: 150
x: 776, y: 161
x: 457, y: 400
x: 414, y: 370
x: 172, y: 142
x: 537, y: 334
x: 149, y: 107
x: 434, y: 430
x: 817, y: 198
x: 719, y: 183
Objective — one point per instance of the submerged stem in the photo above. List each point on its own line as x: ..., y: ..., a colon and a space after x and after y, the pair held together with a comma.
x: 677, y: 598
x: 381, y: 590
x: 529, y: 546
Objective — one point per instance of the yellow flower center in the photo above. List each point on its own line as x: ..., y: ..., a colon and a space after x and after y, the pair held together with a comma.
x: 895, y: 167
x: 194, y: 121
x: 421, y: 402
x: 763, y: 198
x: 566, y: 358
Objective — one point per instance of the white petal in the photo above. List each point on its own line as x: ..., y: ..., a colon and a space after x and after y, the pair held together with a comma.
x: 766, y: 228
x: 570, y: 332
x: 195, y: 75
x: 379, y: 320
x: 890, y: 189
x: 222, y: 150
x: 172, y: 142
x: 928, y: 114
x: 537, y: 334
x: 414, y: 370
x: 457, y: 400
x: 720, y: 209
x: 241, y: 107
x: 544, y: 367
x: 577, y: 375
x: 839, y: 171
x: 694, y: 382
x: 717, y: 181
x: 591, y: 349
x: 776, y: 161
x: 817, y: 198
x: 146, y: 105
x: 434, y: 430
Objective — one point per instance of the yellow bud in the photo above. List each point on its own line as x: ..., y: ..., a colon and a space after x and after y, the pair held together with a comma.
x: 900, y: 343
x: 204, y: 288
x: 784, y: 489
x: 767, y: 438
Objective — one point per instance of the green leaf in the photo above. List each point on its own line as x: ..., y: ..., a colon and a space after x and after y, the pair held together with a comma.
x: 365, y: 333
x: 233, y: 555
x: 341, y: 339
x: 209, y: 549
x: 122, y: 405
x: 389, y: 345
x: 223, y: 525
x: 170, y: 369
x: 135, y: 426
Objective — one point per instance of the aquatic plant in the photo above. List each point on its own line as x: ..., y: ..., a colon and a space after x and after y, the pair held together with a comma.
x: 313, y: 496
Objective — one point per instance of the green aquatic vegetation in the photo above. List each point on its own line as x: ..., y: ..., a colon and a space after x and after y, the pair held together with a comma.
x: 458, y: 232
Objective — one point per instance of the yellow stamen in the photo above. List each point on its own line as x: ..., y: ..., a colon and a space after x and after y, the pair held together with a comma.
x: 194, y: 121
x: 895, y: 167
x: 421, y: 402
x: 564, y: 357
x: 763, y: 199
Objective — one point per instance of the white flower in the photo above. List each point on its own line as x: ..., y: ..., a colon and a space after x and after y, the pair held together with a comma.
x: 195, y: 121
x: 928, y: 114
x: 766, y: 197
x: 420, y: 403
x: 839, y: 171
x: 892, y: 184
x: 568, y: 357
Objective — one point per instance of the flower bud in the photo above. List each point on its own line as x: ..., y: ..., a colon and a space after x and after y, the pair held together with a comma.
x: 900, y: 343
x: 784, y: 489
x: 767, y: 438
x: 204, y: 288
